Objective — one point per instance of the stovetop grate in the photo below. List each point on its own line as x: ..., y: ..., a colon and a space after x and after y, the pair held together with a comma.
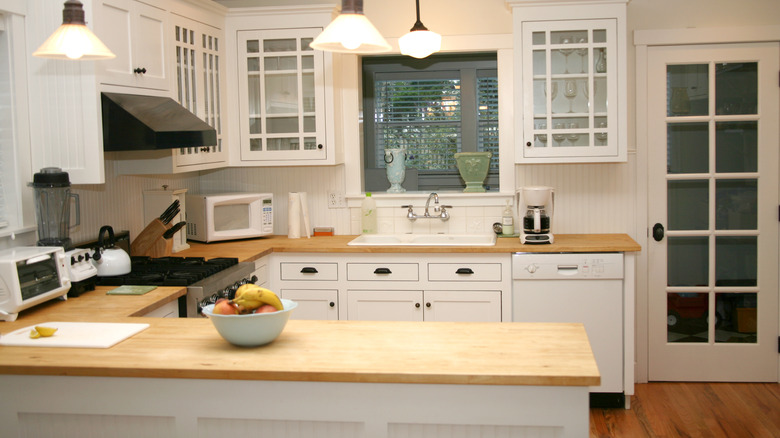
x: 168, y: 271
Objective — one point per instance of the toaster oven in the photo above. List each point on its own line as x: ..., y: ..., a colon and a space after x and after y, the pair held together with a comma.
x: 30, y: 275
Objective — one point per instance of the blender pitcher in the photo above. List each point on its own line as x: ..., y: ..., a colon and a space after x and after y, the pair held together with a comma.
x: 51, y: 190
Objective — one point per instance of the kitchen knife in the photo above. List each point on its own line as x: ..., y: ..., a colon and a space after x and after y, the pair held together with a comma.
x: 147, y: 238
x: 172, y: 230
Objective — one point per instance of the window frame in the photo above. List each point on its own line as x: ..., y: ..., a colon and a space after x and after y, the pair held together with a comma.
x: 465, y: 66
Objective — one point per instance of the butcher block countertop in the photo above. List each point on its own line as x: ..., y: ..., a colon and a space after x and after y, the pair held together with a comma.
x: 324, y: 351
x: 252, y: 249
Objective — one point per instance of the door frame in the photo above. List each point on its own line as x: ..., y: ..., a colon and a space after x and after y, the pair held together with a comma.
x: 643, y: 39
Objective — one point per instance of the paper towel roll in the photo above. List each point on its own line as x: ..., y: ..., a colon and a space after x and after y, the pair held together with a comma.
x: 294, y: 215
x: 305, y: 213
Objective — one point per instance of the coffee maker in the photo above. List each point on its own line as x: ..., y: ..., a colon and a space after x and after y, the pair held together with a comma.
x: 51, y: 191
x: 536, y: 210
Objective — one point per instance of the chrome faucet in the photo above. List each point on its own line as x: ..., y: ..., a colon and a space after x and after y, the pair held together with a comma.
x: 440, y: 211
x: 436, y: 208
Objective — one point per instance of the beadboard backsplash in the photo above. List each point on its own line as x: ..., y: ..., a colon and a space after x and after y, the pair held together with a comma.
x: 589, y: 198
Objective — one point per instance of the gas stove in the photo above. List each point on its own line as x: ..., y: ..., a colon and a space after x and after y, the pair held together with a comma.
x: 206, y: 280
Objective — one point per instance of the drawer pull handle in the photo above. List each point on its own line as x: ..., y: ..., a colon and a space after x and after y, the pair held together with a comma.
x: 464, y: 271
x: 382, y: 271
x: 309, y: 270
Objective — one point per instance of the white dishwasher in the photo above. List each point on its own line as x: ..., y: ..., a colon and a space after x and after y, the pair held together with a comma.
x: 584, y: 288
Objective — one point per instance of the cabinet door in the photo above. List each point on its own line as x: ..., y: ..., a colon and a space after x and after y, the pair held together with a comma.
x: 378, y: 305
x: 199, y: 74
x: 466, y: 306
x: 135, y: 32
x: 313, y: 304
x: 282, y: 96
x: 569, y: 76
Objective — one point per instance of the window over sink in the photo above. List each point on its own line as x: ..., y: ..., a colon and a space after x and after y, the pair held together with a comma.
x: 431, y: 108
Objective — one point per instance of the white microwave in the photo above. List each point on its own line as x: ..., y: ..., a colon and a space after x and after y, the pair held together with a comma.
x: 228, y: 216
x: 30, y: 275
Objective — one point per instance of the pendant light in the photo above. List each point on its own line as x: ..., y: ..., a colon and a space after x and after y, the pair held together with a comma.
x: 419, y: 42
x: 351, y: 32
x: 73, y: 40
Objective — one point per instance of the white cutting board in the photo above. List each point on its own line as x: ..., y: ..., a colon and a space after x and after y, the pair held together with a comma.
x: 75, y: 334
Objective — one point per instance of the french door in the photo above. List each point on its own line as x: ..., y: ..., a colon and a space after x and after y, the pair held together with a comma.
x: 713, y: 212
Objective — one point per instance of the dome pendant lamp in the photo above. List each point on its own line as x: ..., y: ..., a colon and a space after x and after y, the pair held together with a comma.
x: 419, y: 42
x: 73, y: 40
x: 351, y: 32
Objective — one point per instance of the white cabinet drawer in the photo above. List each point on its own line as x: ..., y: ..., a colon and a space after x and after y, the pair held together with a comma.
x: 464, y: 272
x: 309, y: 271
x: 383, y: 271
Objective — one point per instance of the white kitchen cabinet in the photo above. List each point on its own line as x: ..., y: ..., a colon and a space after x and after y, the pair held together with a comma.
x: 415, y: 305
x: 572, y: 81
x: 313, y: 303
x: 197, y: 64
x: 136, y: 33
x: 261, y: 271
x: 282, y: 97
x: 168, y: 310
x: 199, y: 73
x: 396, y: 287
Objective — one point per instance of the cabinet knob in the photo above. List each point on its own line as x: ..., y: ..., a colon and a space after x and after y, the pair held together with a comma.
x: 139, y: 70
x: 417, y: 305
x: 428, y: 305
x: 319, y: 146
x: 528, y: 144
x: 332, y: 304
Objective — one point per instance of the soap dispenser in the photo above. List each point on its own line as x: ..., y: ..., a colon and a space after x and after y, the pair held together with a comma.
x: 368, y: 215
x: 508, y: 221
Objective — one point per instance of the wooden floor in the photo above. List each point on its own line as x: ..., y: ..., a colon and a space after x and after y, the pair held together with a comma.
x: 694, y: 410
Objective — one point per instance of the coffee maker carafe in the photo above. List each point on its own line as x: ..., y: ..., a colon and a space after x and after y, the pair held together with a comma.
x: 536, y: 204
x: 51, y: 190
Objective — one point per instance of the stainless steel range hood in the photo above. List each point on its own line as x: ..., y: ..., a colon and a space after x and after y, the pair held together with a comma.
x: 134, y: 122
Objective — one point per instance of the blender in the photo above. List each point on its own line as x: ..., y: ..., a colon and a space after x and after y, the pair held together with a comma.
x: 537, y: 217
x: 51, y: 191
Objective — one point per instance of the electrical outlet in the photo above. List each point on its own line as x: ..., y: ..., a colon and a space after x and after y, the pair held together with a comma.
x: 336, y: 200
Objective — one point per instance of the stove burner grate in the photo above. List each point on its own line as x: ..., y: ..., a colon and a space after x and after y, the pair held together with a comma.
x: 169, y: 271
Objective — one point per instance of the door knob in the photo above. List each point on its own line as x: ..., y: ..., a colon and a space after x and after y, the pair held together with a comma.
x: 658, y: 232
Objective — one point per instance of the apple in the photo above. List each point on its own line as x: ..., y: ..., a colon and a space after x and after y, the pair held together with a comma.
x: 265, y: 308
x: 223, y: 306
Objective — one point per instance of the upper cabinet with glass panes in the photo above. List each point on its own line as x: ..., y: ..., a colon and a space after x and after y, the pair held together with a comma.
x: 573, y: 81
x: 282, y: 98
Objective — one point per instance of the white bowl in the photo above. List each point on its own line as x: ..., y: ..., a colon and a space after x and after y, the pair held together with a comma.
x: 252, y: 329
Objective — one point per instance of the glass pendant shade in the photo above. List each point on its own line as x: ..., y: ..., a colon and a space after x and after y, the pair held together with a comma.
x: 73, y: 40
x: 351, y: 32
x: 419, y: 42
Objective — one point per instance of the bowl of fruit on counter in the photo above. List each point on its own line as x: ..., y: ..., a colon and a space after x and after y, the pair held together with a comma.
x: 256, y: 316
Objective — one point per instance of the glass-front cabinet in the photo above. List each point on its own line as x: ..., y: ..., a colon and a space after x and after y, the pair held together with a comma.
x: 569, y: 89
x: 572, y: 77
x: 282, y: 97
x: 199, y: 70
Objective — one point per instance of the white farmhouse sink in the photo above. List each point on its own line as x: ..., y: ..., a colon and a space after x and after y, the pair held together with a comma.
x: 424, y: 240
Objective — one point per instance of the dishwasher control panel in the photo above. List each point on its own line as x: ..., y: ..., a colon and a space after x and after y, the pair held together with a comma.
x: 567, y: 266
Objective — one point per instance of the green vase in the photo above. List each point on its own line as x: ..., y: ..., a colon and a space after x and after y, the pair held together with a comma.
x: 473, y: 168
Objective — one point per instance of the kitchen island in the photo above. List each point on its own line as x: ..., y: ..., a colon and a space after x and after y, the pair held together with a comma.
x: 319, y: 378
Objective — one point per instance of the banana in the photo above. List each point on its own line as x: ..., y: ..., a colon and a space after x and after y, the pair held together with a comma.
x: 252, y: 296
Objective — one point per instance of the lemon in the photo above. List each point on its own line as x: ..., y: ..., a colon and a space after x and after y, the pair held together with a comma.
x: 34, y: 334
x: 45, y: 331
